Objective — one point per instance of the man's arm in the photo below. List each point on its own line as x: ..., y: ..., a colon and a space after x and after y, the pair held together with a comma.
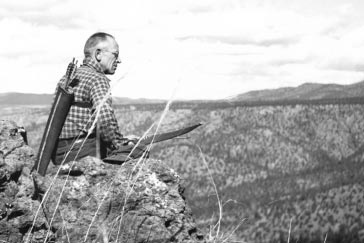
x: 100, y: 96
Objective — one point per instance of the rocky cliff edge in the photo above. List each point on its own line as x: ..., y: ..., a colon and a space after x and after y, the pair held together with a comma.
x: 140, y: 201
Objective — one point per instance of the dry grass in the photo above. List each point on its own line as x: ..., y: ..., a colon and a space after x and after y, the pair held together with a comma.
x: 215, y: 234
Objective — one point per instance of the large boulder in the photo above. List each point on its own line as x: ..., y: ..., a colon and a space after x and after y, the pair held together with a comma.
x: 139, y: 201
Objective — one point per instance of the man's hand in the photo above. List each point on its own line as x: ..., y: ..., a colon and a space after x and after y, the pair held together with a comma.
x: 128, y: 147
x: 131, y: 140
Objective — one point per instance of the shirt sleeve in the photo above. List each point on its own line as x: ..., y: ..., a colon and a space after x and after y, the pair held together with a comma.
x: 101, y: 97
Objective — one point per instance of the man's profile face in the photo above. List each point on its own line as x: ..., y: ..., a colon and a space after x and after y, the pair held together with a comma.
x: 110, y: 56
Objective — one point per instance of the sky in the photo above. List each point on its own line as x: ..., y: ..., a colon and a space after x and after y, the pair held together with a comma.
x: 185, y: 49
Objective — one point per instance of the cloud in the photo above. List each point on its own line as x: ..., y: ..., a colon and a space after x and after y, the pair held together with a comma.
x: 221, y: 47
x: 26, y: 39
x: 344, y: 64
x: 243, y: 40
x: 31, y: 5
x: 62, y: 14
x: 347, y: 66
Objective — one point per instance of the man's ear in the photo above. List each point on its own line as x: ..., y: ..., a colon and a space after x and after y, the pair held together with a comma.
x: 98, y: 55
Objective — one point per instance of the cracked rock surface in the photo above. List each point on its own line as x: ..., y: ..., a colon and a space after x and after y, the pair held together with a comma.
x: 139, y: 201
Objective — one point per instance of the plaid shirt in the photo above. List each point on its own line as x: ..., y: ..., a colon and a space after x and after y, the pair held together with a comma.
x: 92, y: 88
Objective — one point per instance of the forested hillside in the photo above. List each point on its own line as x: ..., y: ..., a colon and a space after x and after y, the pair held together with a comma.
x: 281, y: 171
x: 274, y: 166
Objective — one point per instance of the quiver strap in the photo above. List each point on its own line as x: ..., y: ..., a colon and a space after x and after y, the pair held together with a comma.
x: 82, y: 104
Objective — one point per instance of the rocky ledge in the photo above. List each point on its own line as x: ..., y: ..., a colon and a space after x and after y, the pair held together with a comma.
x: 139, y: 201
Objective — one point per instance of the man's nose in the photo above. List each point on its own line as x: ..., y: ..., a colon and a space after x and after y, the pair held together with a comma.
x: 118, y: 60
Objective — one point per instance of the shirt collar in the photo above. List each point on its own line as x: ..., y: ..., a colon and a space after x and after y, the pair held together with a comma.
x: 89, y: 62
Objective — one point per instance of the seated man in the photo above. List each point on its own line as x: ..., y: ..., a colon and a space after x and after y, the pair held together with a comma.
x: 91, y: 90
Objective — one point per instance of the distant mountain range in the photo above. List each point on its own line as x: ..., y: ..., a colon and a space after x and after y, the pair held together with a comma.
x: 306, y: 91
x: 14, y: 98
x: 25, y: 99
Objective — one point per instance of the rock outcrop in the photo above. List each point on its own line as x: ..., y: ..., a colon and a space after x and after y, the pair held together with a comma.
x: 139, y: 201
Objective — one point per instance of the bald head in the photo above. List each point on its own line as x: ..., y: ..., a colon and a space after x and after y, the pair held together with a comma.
x: 96, y: 41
